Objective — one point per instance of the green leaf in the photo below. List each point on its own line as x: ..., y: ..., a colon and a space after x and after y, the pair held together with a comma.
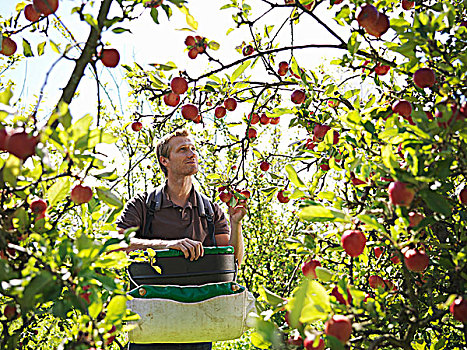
x: 116, y: 309
x: 317, y: 213
x: 372, y: 222
x: 11, y: 170
x: 6, y: 95
x: 270, y: 297
x: 353, y: 44
x: 108, y: 197
x: 309, y: 303
x: 27, y: 52
x: 323, y: 274
x: 119, y: 30
x: 21, y: 220
x: 40, y: 48
x: 436, y: 202
x: 89, y: 19
x: 155, y: 15
x: 240, y: 69
x: 58, y: 191
x: 293, y: 176
x: 213, y: 45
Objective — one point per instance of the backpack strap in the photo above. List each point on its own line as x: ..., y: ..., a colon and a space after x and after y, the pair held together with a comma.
x: 206, y: 210
x: 153, y: 204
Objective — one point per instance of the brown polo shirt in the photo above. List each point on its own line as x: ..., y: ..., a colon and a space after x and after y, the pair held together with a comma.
x: 173, y: 221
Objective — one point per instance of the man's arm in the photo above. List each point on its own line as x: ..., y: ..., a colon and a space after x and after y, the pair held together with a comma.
x: 236, y: 237
x: 190, y: 248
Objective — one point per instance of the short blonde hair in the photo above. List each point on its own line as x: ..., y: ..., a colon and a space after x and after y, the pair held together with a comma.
x: 163, y: 147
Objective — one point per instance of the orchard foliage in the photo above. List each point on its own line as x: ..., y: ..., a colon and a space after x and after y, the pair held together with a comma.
x: 367, y: 143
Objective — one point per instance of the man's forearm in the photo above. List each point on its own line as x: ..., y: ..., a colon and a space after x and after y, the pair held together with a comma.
x: 236, y: 240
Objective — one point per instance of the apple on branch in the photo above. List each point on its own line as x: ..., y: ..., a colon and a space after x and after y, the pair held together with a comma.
x: 81, y: 194
x: 339, y: 326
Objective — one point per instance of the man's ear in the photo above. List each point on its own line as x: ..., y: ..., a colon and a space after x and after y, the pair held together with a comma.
x: 163, y: 160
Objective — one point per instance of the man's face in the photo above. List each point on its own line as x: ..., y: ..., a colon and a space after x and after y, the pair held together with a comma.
x: 183, y: 157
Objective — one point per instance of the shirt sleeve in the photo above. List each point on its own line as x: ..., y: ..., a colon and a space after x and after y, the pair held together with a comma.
x: 220, y: 221
x: 133, y: 213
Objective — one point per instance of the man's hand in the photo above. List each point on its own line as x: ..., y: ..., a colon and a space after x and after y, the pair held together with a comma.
x: 237, y: 213
x: 192, y: 249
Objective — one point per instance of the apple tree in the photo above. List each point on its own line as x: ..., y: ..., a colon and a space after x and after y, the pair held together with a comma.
x: 375, y: 166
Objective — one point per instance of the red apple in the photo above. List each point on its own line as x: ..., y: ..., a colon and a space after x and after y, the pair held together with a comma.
x: 424, y: 77
x: 38, y: 206
x: 112, y: 336
x: 339, y: 326
x: 402, y: 107
x: 463, y: 196
x: 378, y: 251
x: 368, y: 14
x: 220, y: 112
x: 8, y: 46
x: 356, y: 181
x: 10, y: 312
x: 309, y: 341
x: 46, y: 7
x: 21, y: 144
x: 282, y: 198
x: 179, y: 85
x: 275, y: 121
x: 189, y: 112
x: 190, y: 41
x: 335, y: 137
x: 225, y: 196
x: 264, y: 166
x: 382, y: 70
x: 336, y: 2
x: 458, y: 309
x: 248, y: 50
x: 81, y: 194
x: 109, y: 57
x: 298, y: 96
x: 378, y: 28
x: 416, y: 260
x: 407, y: 5
x: 252, y: 133
x: 136, y: 126
x: 171, y: 99
x: 254, y: 118
x: 283, y: 67
x: 296, y: 340
x: 309, y: 268
x: 198, y: 119
x: 193, y: 53
x: 31, y: 14
x: 153, y: 3
x: 395, y: 259
x: 264, y: 119
x: 376, y: 282
x: 319, y: 131
x: 324, y: 167
x: 415, y: 219
x: 400, y: 194
x: 340, y: 298
x: 246, y: 193
x: 230, y: 104
x: 353, y: 242
x: 4, y: 135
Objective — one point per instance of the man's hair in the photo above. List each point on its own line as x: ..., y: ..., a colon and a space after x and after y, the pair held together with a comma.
x: 163, y: 148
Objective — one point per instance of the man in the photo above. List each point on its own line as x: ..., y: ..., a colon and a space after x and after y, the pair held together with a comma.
x: 177, y: 224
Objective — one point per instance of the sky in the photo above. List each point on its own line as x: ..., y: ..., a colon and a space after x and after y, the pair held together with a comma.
x: 147, y: 43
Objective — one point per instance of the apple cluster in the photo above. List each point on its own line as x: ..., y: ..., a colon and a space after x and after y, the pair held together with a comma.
x: 232, y: 197
x: 196, y: 45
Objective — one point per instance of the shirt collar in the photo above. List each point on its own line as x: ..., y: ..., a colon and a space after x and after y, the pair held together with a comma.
x: 167, y: 203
